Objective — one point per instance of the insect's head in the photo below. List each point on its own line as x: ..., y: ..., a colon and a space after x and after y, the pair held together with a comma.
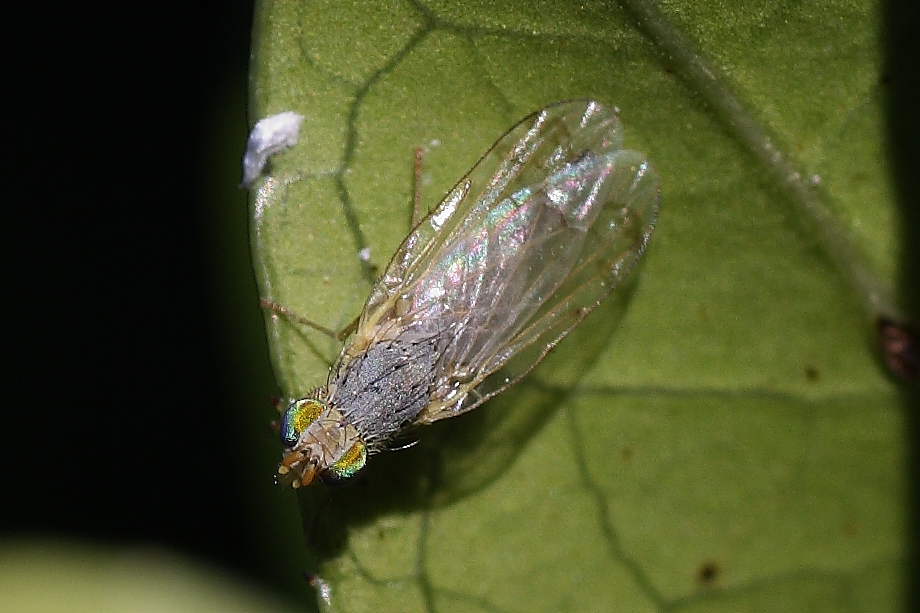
x: 331, y: 450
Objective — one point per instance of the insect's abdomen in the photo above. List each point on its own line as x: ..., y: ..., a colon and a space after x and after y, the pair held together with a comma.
x: 382, y: 391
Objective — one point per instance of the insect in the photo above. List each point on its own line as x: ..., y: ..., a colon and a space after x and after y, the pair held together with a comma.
x: 544, y: 227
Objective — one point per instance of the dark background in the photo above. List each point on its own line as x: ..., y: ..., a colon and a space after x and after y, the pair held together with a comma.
x: 139, y: 389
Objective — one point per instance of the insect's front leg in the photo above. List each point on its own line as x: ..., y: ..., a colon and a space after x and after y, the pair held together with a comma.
x: 290, y: 315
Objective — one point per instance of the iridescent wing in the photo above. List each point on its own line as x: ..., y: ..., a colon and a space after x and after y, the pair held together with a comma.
x: 523, y: 248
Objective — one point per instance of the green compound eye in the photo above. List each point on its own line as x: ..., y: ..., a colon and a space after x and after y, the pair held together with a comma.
x: 347, y: 466
x: 298, y: 418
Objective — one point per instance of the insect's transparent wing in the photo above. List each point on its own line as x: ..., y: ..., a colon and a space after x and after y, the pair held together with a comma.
x: 523, y: 248
x: 606, y: 253
x: 508, y: 165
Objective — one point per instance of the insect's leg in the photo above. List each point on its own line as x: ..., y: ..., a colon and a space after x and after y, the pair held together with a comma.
x: 274, y: 307
x: 418, y: 213
x: 403, y: 446
x: 287, y: 313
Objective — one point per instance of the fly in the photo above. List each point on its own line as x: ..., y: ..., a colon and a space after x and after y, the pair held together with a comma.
x: 543, y: 228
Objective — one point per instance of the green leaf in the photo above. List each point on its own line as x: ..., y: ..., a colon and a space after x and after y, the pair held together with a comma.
x: 721, y: 435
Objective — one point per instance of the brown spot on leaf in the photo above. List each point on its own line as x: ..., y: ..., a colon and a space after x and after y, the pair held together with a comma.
x: 708, y: 572
x: 812, y: 374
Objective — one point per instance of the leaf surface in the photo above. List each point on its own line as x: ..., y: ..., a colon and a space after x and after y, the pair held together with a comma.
x: 721, y: 435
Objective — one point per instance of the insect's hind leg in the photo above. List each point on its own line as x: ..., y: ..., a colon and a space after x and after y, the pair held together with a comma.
x: 418, y: 211
x: 290, y: 315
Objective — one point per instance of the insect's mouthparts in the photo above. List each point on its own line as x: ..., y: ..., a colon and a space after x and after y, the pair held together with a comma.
x: 307, y: 477
x: 296, y: 469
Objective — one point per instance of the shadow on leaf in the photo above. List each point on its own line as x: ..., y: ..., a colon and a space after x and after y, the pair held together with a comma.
x: 456, y: 458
